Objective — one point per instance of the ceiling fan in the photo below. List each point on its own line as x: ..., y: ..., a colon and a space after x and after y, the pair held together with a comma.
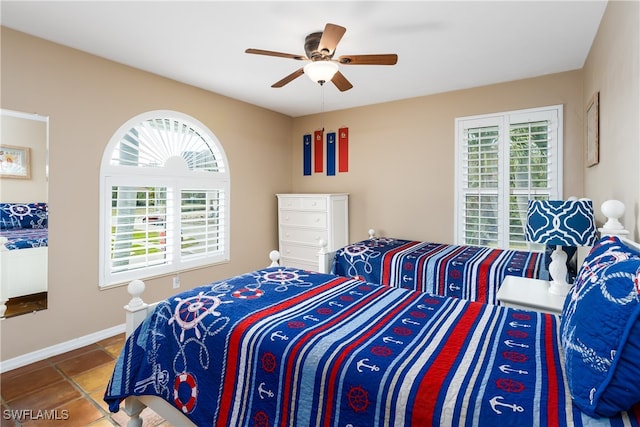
x: 319, y: 48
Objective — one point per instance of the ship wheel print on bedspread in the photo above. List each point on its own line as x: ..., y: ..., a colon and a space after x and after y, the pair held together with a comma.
x: 361, y: 253
x: 190, y: 312
x: 283, y: 278
x: 512, y: 366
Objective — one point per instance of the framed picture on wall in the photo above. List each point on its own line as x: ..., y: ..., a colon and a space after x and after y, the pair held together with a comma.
x: 15, y: 162
x: 593, y: 143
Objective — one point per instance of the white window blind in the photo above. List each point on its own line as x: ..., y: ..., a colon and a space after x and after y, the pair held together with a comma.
x: 164, y: 195
x: 202, y: 218
x: 502, y: 161
x: 138, y: 227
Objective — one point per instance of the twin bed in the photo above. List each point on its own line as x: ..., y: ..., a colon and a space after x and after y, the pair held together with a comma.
x: 281, y: 346
x: 470, y: 272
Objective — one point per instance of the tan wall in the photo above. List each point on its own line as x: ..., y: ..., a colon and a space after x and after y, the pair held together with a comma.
x: 88, y: 99
x: 401, y: 176
x: 613, y: 69
x: 402, y: 171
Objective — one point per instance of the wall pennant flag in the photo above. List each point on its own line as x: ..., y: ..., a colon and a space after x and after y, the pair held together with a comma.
x: 343, y: 150
x: 318, y: 155
x: 331, y: 154
x: 306, y: 154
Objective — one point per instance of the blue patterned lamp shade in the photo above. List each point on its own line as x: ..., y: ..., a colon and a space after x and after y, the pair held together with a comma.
x: 559, y: 222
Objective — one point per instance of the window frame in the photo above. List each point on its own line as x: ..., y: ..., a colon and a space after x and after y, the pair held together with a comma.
x: 504, y: 122
x: 177, y: 179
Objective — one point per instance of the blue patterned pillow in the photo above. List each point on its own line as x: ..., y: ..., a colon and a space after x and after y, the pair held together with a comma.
x: 600, y: 330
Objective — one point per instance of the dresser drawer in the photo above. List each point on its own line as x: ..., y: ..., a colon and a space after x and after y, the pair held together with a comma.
x: 296, y: 263
x: 303, y: 235
x: 303, y: 219
x: 300, y: 252
x: 303, y: 203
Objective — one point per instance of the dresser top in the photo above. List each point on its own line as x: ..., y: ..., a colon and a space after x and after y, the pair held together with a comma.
x: 310, y: 194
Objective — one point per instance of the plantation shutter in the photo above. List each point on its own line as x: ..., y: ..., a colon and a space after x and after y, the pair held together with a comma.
x: 138, y: 227
x: 503, y: 161
x: 201, y: 221
x: 481, y: 181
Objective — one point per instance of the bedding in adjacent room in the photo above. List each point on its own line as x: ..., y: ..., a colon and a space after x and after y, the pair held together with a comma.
x: 23, y: 225
x: 24, y: 238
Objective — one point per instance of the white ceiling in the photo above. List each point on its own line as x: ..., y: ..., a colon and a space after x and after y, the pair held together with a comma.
x: 441, y: 45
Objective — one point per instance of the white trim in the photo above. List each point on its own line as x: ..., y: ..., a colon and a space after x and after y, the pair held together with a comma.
x: 21, y: 115
x: 54, y: 350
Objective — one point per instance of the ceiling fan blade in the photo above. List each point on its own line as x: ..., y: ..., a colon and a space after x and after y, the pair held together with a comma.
x: 272, y: 53
x: 341, y: 82
x: 381, y: 59
x: 330, y: 37
x: 290, y: 77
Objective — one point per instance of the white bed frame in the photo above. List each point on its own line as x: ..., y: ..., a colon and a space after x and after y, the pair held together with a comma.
x: 137, y: 310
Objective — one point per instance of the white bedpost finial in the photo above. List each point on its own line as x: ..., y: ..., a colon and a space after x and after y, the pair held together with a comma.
x: 323, y: 246
x: 135, y: 289
x: 613, y: 209
x: 274, y: 256
x: 372, y: 233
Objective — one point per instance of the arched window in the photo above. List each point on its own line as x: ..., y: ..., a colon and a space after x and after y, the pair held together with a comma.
x: 164, y: 198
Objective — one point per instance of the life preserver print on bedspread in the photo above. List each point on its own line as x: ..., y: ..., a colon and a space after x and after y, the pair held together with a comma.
x: 316, y: 349
x: 471, y: 272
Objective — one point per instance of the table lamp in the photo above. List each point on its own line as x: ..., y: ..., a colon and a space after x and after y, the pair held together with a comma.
x: 560, y: 223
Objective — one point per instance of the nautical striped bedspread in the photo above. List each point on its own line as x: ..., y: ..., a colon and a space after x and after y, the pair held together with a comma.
x: 293, y: 348
x: 470, y: 272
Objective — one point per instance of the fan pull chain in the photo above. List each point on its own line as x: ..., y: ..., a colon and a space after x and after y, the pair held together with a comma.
x: 322, y: 107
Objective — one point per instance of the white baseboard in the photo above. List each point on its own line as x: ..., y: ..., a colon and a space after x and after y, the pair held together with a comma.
x: 54, y: 350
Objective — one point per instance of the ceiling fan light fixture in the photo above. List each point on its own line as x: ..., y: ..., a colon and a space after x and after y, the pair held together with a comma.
x: 321, y: 71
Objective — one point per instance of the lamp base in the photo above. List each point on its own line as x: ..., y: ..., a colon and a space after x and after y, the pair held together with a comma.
x: 557, y: 288
x: 558, y: 272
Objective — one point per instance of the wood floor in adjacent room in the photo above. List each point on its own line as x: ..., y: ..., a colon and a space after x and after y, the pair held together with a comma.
x: 72, y: 383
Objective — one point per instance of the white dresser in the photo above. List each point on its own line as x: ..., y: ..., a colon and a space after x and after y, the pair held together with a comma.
x: 306, y: 219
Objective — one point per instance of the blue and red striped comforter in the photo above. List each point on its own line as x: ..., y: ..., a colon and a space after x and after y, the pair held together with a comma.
x: 292, y: 348
x: 470, y: 272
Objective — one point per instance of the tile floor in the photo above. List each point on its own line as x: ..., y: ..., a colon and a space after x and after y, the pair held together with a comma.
x: 71, y: 386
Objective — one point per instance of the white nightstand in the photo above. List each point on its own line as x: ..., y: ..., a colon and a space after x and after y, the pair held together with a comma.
x: 529, y: 294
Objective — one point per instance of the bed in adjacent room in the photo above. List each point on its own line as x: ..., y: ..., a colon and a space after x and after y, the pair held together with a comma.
x: 282, y: 346
x: 24, y: 237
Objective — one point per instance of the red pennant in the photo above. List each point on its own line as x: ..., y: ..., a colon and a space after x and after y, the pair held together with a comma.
x: 343, y: 150
x: 318, y: 154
